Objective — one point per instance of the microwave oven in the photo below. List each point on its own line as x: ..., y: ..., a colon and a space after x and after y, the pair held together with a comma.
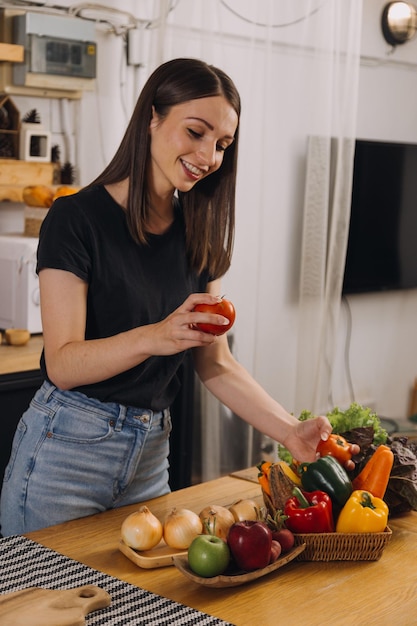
x: 19, y: 284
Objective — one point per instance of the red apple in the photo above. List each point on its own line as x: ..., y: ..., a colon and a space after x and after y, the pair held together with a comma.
x: 250, y: 544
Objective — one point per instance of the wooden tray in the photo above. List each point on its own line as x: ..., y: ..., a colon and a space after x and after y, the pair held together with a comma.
x: 160, y: 556
x: 233, y: 580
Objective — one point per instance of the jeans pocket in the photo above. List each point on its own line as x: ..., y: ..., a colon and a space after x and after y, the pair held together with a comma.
x: 74, y: 424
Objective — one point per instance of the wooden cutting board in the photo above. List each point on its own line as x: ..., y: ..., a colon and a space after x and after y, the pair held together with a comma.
x: 35, y: 606
x: 250, y: 474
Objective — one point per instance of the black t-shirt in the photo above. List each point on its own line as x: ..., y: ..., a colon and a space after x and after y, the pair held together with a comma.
x: 129, y: 285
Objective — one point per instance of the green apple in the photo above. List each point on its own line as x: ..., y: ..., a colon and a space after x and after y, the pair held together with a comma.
x: 208, y: 555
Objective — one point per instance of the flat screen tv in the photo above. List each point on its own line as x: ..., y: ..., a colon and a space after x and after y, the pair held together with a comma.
x: 382, y: 243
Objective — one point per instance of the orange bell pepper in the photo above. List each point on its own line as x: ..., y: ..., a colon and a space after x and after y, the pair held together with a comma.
x: 264, y: 468
x: 336, y: 446
x: 375, y: 475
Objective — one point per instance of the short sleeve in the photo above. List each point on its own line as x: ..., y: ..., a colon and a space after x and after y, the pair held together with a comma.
x: 65, y: 239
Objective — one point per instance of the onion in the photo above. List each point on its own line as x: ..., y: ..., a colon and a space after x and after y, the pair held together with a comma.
x: 142, y: 530
x: 181, y: 526
x: 243, y: 510
x: 217, y: 520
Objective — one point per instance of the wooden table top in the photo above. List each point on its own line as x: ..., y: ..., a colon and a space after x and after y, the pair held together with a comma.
x: 313, y: 593
x: 21, y: 358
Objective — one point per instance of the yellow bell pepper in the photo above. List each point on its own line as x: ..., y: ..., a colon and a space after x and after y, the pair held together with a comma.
x: 264, y: 468
x: 363, y: 513
x: 290, y: 473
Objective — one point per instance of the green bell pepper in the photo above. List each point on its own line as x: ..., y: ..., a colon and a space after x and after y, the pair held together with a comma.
x: 328, y: 475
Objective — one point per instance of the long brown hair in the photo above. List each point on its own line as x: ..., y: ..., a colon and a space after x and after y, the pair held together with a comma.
x: 209, y: 208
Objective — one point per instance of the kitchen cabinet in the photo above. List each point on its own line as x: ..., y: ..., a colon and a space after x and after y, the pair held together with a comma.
x: 20, y: 376
x: 16, y: 392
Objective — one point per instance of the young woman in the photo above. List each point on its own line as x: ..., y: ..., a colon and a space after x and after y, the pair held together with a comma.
x: 121, y: 266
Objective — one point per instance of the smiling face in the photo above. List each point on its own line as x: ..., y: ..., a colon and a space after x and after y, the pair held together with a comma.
x: 189, y: 143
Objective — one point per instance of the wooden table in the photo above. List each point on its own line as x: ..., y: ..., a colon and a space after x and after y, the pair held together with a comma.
x: 312, y: 593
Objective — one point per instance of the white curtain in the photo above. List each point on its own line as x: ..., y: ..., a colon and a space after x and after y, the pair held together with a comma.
x: 326, y: 213
x: 295, y: 63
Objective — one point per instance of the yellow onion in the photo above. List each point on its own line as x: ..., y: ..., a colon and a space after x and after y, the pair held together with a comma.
x: 181, y: 526
x: 142, y: 530
x: 216, y: 520
x: 243, y: 510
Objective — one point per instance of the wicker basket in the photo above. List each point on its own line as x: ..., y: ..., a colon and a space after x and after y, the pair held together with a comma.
x: 325, y: 546
x: 343, y: 546
x: 34, y: 217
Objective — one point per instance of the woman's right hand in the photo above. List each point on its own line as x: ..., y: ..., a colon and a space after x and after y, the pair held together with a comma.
x: 178, y: 331
x: 73, y: 361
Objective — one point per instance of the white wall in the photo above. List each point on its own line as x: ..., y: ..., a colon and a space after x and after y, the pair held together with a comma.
x: 384, y: 341
x: 383, y: 352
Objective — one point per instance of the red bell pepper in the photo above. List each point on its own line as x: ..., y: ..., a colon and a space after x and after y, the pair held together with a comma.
x: 309, y: 512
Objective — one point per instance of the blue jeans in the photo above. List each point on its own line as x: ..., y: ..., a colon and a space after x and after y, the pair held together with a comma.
x: 73, y: 456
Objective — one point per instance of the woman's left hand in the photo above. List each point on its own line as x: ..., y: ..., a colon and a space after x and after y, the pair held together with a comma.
x: 305, y: 437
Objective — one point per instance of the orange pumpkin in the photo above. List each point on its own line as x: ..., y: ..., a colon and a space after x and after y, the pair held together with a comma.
x: 38, y: 196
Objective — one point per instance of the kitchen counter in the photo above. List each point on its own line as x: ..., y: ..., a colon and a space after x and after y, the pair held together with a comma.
x: 21, y: 358
x: 363, y: 592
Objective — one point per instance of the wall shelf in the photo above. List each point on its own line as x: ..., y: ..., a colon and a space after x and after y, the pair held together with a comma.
x: 11, y: 52
x: 15, y: 175
x: 9, y: 128
x: 41, y: 86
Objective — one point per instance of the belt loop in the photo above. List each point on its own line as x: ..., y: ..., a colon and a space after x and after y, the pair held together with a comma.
x: 121, y: 418
x: 165, y: 417
x: 48, y: 389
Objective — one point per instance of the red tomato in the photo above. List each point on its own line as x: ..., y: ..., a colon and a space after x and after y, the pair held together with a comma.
x: 225, y: 308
